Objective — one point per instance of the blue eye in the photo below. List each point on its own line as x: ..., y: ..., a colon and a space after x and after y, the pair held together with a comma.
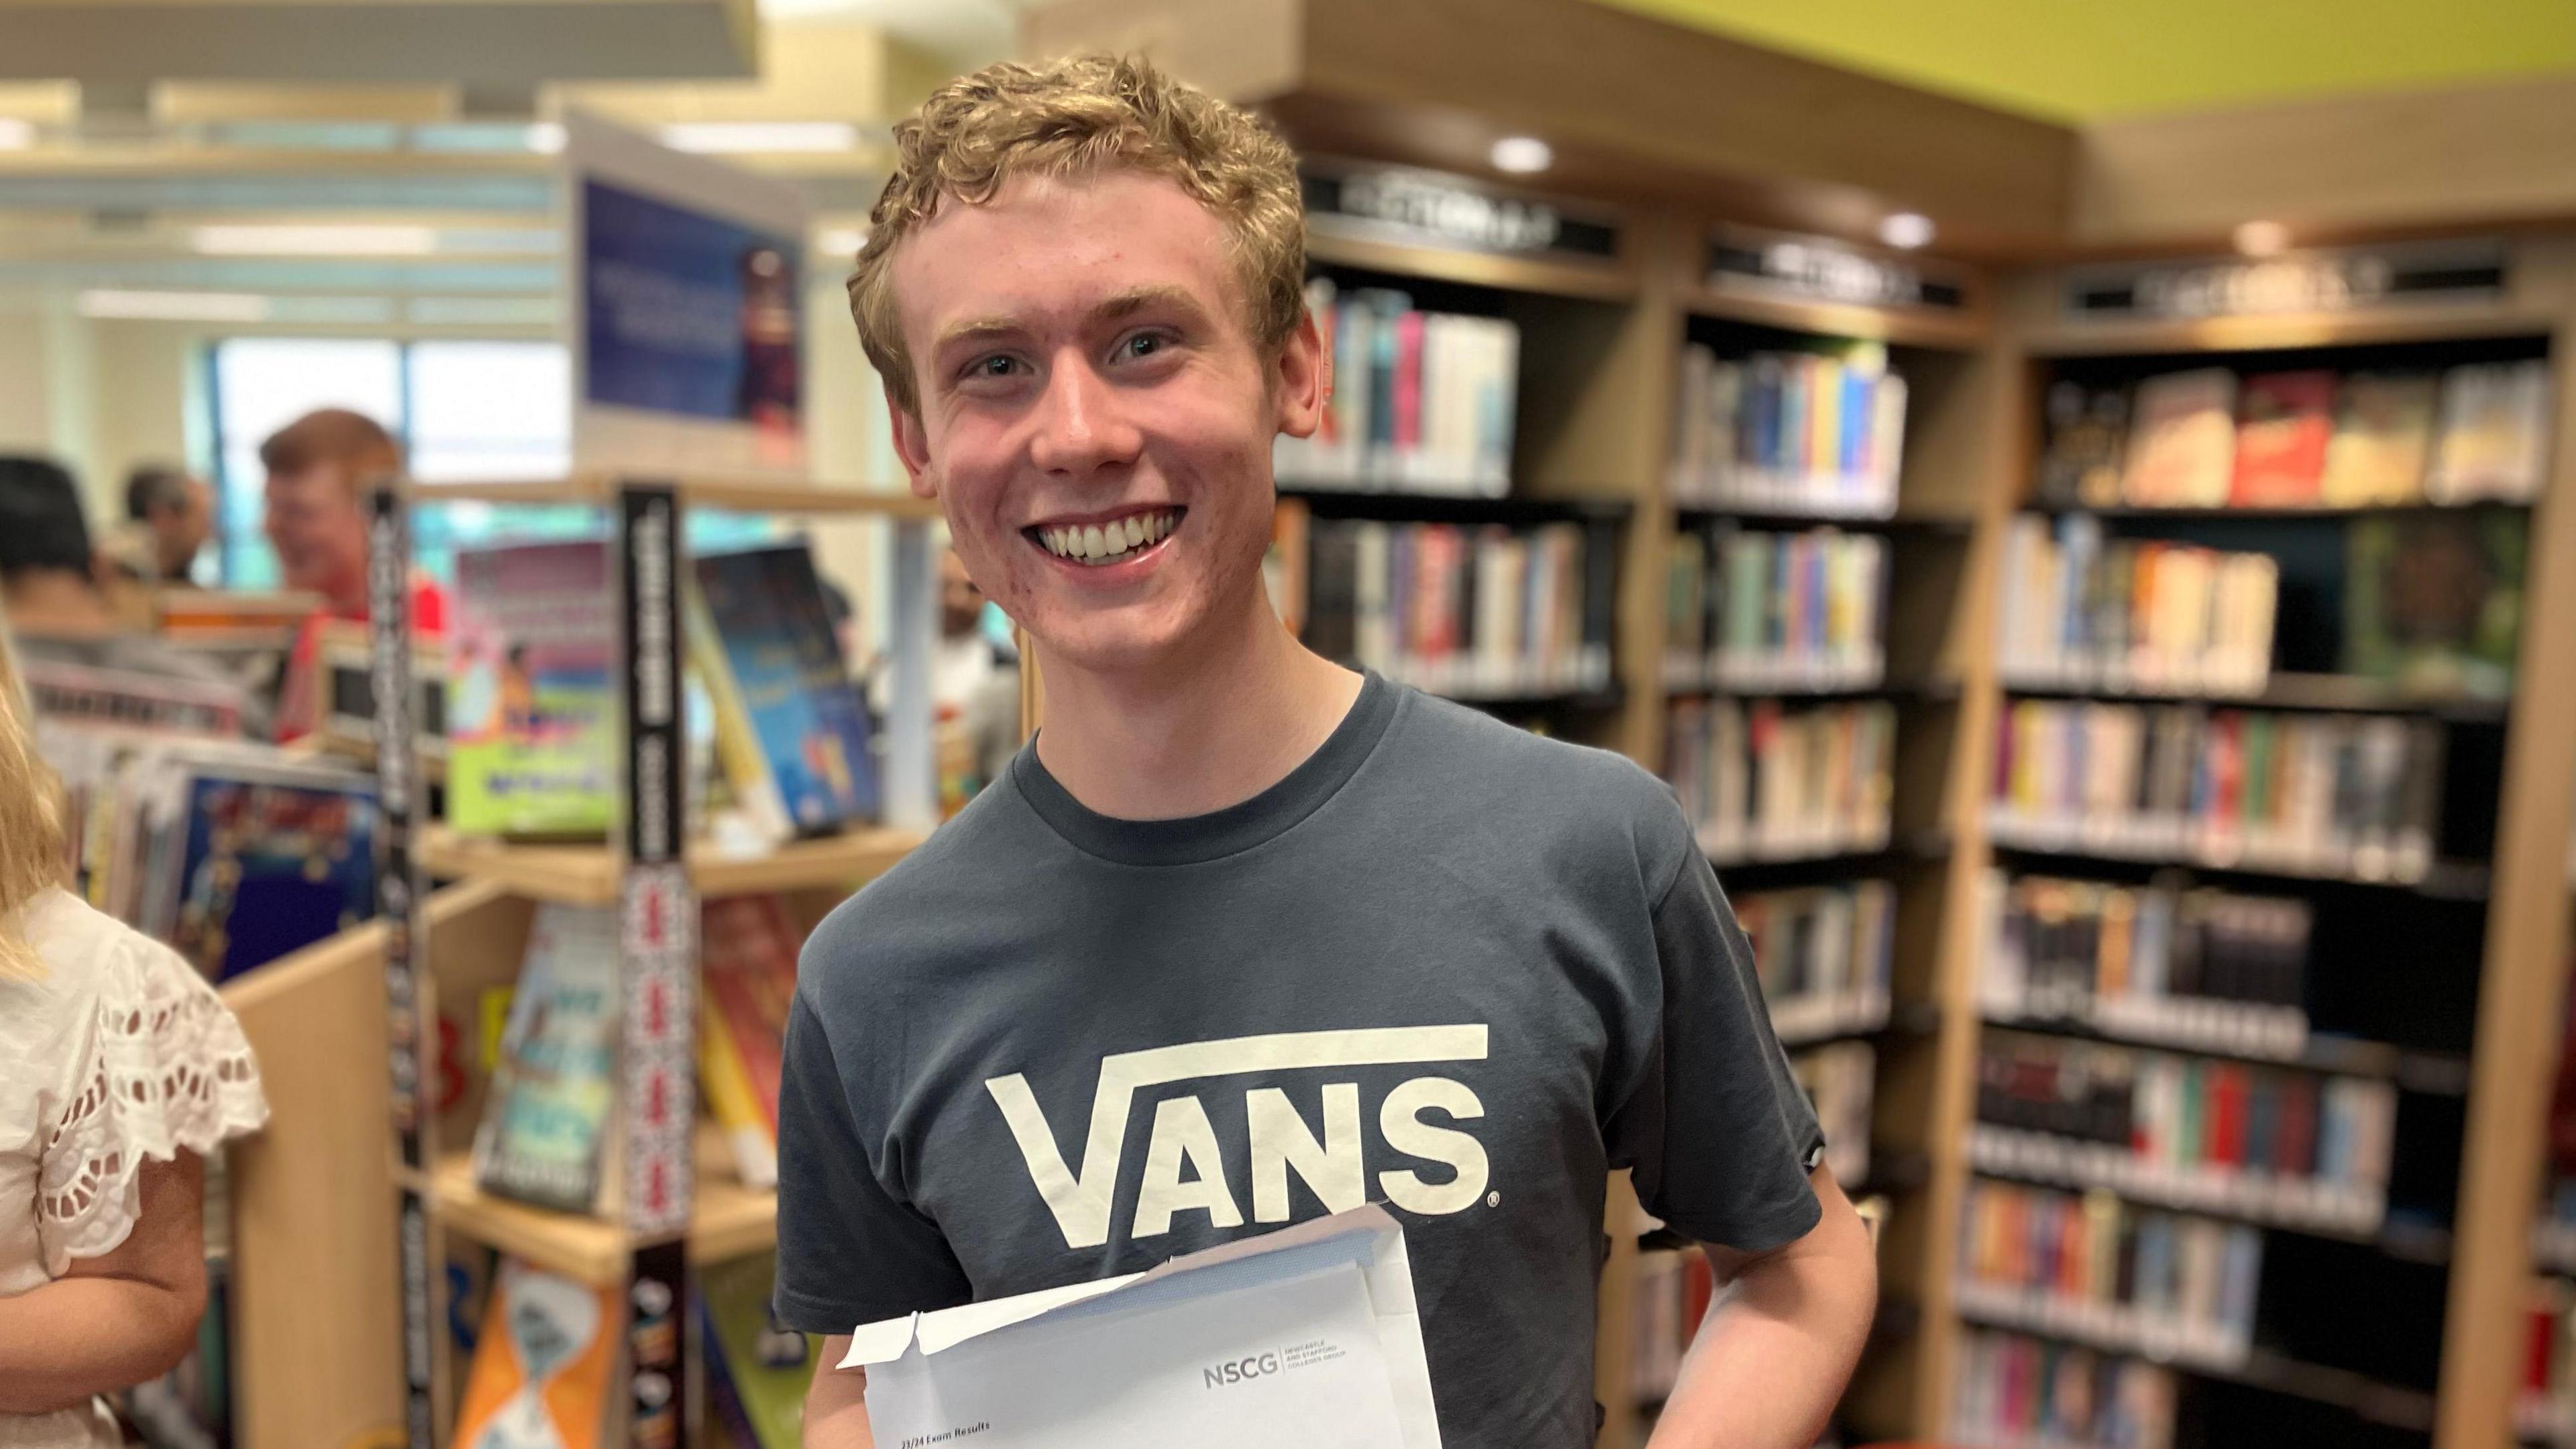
x: 1144, y: 344
x: 996, y: 366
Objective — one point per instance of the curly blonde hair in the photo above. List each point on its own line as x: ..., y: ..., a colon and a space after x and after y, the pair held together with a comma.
x: 1071, y: 118
x: 31, y: 825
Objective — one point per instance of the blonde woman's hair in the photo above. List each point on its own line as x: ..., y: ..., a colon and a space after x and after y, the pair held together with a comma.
x: 1074, y: 118
x: 31, y: 824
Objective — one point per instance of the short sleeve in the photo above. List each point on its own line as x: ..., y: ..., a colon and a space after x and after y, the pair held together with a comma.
x: 160, y: 1068
x: 1719, y: 1136
x: 849, y: 1250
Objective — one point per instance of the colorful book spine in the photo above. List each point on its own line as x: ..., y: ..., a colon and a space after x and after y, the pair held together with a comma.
x: 2336, y: 796
x: 2084, y: 612
x: 2018, y: 1392
x: 1795, y: 433
x: 2116, y: 1276
x: 1473, y: 613
x: 1840, y: 1080
x: 2271, y: 1144
x: 1423, y: 402
x: 1777, y: 611
x: 1673, y: 1290
x: 1824, y: 955
x: 1767, y: 781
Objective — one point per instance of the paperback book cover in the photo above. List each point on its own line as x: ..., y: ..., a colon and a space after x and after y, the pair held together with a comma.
x: 2433, y: 602
x: 2281, y: 439
x: 2182, y: 440
x: 779, y: 674
x: 2087, y: 431
x: 748, y: 950
x: 540, y: 1378
x: 272, y: 861
x: 2495, y: 419
x: 547, y: 1111
x: 532, y: 733
x: 768, y: 1367
x: 2383, y: 434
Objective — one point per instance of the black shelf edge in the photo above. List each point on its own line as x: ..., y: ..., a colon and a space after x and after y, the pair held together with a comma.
x: 2445, y: 880
x: 2430, y: 1073
x: 1916, y: 524
x: 1388, y: 506
x: 1909, y: 847
x: 1898, y: 691
x: 2296, y: 692
x: 2388, y: 1404
x: 2320, y: 513
x: 1575, y: 700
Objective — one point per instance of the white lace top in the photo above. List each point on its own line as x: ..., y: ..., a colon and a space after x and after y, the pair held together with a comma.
x: 121, y: 1052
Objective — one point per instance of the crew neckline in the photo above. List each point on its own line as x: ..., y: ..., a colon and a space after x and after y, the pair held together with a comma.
x: 1192, y: 839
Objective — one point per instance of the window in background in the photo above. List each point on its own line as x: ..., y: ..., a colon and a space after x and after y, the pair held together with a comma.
x: 463, y: 409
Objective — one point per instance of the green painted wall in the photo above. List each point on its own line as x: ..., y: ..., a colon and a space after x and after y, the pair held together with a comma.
x: 2078, y: 60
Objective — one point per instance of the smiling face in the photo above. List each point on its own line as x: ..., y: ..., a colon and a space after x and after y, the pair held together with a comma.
x: 1095, y: 413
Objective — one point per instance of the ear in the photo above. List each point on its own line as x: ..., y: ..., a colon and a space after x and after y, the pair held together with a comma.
x: 1304, y: 375
x: 911, y: 445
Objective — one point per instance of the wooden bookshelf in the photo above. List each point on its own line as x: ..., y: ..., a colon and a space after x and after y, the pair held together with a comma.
x: 587, y: 875
x: 730, y: 1220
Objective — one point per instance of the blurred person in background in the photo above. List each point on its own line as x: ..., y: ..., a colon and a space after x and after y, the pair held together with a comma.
x: 119, y: 1070
x: 58, y: 609
x: 974, y: 683
x: 319, y: 468
x: 169, y: 515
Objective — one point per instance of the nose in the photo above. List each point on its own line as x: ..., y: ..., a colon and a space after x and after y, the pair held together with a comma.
x: 1080, y: 427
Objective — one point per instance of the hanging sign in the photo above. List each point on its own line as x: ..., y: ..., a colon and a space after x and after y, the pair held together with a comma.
x: 1428, y: 208
x: 2325, y: 281
x: 1818, y: 269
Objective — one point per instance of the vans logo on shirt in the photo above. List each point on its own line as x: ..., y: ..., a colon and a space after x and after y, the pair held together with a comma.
x: 1281, y: 1141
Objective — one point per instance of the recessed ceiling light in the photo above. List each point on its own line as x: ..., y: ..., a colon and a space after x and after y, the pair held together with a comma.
x: 173, y: 306
x: 1907, y: 229
x: 314, y: 241
x: 1522, y: 155
x: 15, y: 134
x: 2262, y: 238
x: 760, y: 137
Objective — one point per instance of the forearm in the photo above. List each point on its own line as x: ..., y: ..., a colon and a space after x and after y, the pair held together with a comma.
x: 836, y: 1406
x: 68, y: 1340
x: 1779, y: 1343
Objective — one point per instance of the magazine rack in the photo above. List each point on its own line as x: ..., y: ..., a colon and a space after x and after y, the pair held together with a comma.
x: 663, y: 1207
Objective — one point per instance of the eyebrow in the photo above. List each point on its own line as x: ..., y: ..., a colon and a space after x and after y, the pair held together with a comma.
x: 1124, y: 304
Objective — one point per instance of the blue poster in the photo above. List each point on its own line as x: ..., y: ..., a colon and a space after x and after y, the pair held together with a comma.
x: 687, y: 313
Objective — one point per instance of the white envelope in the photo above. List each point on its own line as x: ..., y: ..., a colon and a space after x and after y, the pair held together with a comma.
x: 1306, y: 1338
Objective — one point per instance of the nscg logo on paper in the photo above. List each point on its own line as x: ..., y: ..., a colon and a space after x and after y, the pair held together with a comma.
x: 1280, y: 1140
x: 1236, y: 1370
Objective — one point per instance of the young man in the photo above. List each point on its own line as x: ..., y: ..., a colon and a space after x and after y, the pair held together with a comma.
x: 169, y: 515
x: 1244, y: 937
x: 319, y: 467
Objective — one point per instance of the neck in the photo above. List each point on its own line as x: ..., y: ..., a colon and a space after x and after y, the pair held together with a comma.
x: 57, y: 603
x: 1212, y: 728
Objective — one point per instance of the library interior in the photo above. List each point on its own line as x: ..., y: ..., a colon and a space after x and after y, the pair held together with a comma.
x: 2063, y: 497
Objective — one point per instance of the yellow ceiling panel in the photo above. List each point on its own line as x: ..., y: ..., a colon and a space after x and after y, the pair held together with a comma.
x: 2081, y: 60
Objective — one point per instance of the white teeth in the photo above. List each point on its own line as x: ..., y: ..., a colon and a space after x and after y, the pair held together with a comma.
x: 1100, y: 543
x: 1093, y: 546
x: 1135, y: 529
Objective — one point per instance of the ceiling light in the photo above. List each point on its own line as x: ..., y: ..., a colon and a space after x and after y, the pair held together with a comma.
x: 758, y: 137
x: 1907, y: 229
x: 1522, y: 155
x: 15, y: 134
x: 841, y: 241
x: 314, y: 241
x: 2262, y: 238
x: 173, y: 306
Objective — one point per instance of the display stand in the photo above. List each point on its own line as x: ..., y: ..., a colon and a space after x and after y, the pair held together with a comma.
x: 668, y: 1210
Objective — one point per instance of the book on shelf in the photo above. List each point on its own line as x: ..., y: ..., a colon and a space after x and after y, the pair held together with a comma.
x: 1283, y: 568
x: 545, y: 1136
x: 533, y: 728
x: 83, y: 697
x: 1764, y: 780
x: 2160, y: 963
x: 1422, y: 402
x: 2182, y: 440
x: 2015, y: 1391
x: 2547, y: 1407
x: 2383, y: 436
x: 542, y: 1363
x: 747, y: 950
x: 1753, y: 610
x: 2492, y: 443
x: 2170, y: 1286
x: 791, y: 726
x: 2284, y: 1144
x: 347, y: 693
x: 271, y: 858
x: 1484, y: 611
x: 2433, y: 602
x: 2088, y: 435
x: 1824, y: 955
x: 2082, y: 611
x: 766, y: 1369
x: 1789, y: 432
x: 2284, y: 422
x: 1839, y: 1079
x: 1672, y: 1294
x: 2345, y: 796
